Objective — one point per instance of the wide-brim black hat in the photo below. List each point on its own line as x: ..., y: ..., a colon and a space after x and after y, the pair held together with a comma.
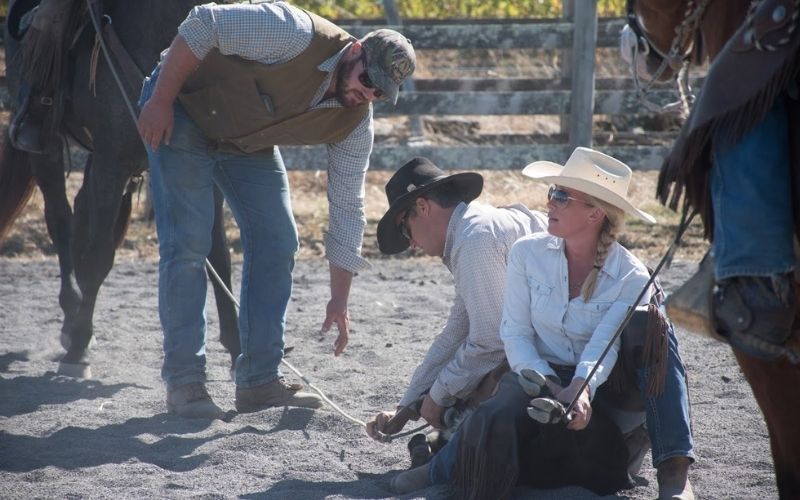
x: 411, y: 181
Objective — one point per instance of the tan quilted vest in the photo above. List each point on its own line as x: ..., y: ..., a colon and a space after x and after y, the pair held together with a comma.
x: 246, y: 106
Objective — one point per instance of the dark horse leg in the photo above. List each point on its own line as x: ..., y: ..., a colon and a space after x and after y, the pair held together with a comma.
x: 775, y: 385
x: 220, y: 260
x: 49, y: 171
x: 97, y: 215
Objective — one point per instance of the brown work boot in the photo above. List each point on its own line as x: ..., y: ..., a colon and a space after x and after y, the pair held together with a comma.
x: 411, y: 480
x: 192, y: 401
x: 673, y: 479
x: 275, y: 393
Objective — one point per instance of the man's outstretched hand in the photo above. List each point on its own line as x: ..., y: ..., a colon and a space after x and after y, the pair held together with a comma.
x: 337, y: 313
x: 378, y: 424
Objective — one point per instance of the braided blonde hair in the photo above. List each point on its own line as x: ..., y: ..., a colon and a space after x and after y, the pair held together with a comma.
x: 613, y: 226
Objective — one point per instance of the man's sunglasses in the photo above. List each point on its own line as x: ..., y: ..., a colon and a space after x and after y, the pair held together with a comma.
x: 561, y: 198
x: 367, y: 82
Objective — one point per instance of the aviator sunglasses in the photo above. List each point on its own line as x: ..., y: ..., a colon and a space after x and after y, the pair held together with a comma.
x: 561, y: 198
x: 367, y: 82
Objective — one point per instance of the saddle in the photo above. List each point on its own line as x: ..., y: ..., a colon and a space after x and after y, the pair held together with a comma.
x: 47, y: 31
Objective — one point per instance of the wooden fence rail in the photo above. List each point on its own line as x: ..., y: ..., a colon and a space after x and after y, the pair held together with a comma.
x: 441, y: 97
x: 496, y: 97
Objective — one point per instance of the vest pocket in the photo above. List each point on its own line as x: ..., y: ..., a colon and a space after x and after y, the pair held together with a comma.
x: 230, y: 110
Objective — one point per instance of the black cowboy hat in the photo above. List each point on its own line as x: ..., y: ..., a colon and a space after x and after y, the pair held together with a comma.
x: 411, y: 181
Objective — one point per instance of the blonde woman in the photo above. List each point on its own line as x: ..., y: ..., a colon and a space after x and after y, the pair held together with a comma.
x: 567, y: 291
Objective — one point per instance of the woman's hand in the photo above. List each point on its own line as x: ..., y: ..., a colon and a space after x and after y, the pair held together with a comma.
x: 582, y: 411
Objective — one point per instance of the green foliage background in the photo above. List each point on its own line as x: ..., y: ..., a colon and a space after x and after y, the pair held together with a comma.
x: 439, y: 9
x: 449, y: 9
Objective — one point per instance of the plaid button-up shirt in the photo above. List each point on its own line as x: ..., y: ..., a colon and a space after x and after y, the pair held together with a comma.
x: 479, y: 238
x: 274, y: 33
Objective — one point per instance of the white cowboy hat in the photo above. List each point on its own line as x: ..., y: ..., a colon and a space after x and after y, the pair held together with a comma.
x: 593, y: 173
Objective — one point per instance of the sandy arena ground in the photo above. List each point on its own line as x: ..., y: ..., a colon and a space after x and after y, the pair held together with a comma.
x: 111, y: 437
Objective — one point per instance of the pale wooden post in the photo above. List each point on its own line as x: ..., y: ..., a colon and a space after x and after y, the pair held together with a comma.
x: 583, y: 52
x: 393, y: 19
x: 568, y: 15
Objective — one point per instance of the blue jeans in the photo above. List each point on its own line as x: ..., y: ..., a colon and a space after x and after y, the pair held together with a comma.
x: 256, y: 189
x: 752, y: 200
x: 668, y: 422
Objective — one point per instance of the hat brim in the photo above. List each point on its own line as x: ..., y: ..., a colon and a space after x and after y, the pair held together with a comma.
x: 381, y: 80
x: 390, y: 239
x: 547, y: 171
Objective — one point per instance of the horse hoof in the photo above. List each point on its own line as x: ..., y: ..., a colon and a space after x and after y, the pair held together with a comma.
x: 532, y: 382
x: 546, y: 411
x: 75, y: 370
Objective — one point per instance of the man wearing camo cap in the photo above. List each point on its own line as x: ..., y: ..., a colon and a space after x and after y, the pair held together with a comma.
x: 238, y: 81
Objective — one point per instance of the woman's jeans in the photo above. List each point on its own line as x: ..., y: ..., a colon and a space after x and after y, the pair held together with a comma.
x: 183, y: 174
x: 668, y: 422
x: 752, y: 200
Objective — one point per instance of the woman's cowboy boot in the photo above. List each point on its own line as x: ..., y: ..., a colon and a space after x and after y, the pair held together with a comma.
x: 673, y: 479
x: 690, y: 305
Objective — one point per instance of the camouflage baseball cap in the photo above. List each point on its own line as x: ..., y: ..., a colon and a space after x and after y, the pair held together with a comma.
x: 390, y: 59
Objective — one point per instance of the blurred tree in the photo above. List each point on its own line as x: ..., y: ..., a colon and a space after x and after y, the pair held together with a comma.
x: 450, y: 9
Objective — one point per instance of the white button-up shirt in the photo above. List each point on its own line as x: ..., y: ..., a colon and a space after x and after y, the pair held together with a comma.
x: 479, y: 238
x: 274, y: 33
x: 541, y: 325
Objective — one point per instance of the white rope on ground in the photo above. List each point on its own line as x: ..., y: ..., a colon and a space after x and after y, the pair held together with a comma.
x: 383, y: 437
x: 288, y: 365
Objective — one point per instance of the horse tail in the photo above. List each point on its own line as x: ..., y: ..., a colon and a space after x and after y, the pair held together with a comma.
x: 124, y: 216
x: 16, y: 184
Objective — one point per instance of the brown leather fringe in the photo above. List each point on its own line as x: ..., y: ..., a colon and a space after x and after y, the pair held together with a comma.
x: 655, y: 350
x: 650, y: 340
x: 475, y: 478
x: 685, y: 171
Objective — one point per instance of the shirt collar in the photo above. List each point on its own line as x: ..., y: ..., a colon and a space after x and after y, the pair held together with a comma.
x: 328, y: 66
x: 452, y: 227
x: 611, y: 266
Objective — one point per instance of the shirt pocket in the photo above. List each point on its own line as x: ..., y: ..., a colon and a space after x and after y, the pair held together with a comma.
x: 540, y: 294
x: 591, y: 314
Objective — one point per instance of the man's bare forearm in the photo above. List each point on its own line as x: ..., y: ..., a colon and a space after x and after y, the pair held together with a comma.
x: 179, y: 63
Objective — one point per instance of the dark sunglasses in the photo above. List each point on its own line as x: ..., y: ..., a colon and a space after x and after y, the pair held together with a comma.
x: 561, y: 198
x: 403, y: 226
x: 366, y: 81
